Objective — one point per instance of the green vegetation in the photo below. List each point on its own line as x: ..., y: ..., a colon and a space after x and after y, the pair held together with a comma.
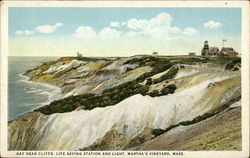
x: 107, y: 98
x: 219, y: 60
x: 90, y: 101
x: 154, y: 93
x: 158, y: 65
x: 142, y: 61
x: 165, y: 91
x: 158, y: 131
x: 191, y: 60
x: 233, y: 64
x: 170, y: 74
x: 39, y: 69
x: 117, y: 94
x: 223, y: 60
x: 169, y: 89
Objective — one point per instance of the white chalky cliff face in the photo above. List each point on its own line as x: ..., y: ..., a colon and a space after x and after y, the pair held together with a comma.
x: 79, y: 129
x: 199, y: 91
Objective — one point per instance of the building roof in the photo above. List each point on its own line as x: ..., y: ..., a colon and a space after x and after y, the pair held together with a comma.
x: 228, y: 50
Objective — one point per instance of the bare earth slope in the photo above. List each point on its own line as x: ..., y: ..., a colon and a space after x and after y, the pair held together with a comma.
x: 220, y: 132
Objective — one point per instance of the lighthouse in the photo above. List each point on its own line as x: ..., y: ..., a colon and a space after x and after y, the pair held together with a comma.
x: 205, y: 49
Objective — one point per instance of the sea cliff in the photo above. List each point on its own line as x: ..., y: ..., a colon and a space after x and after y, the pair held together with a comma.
x: 135, y: 103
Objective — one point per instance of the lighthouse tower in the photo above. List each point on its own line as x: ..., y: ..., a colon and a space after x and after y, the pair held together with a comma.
x: 205, y: 49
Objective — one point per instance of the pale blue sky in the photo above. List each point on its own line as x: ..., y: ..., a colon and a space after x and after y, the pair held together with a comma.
x: 133, y: 27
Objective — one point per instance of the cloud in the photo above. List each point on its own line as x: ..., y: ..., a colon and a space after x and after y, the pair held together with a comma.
x: 28, y: 32
x: 84, y: 32
x: 41, y: 29
x: 19, y: 32
x: 48, y: 28
x: 137, y: 24
x: 161, y: 19
x: 109, y: 33
x: 189, y: 31
x: 25, y: 32
x: 115, y: 24
x: 123, y: 23
x: 158, y: 26
x: 212, y: 25
x: 58, y: 24
x: 87, y: 32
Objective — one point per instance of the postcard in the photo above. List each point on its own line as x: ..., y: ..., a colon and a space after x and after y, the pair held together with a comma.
x: 125, y: 79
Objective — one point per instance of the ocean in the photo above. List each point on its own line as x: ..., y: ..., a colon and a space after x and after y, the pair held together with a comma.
x: 23, y: 95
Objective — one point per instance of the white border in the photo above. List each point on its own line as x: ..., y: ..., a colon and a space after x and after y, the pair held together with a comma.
x: 182, y: 4
x: 4, y: 79
x: 194, y: 154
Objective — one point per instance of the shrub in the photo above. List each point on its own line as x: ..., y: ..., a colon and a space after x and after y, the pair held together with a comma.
x: 169, y: 89
x: 154, y: 93
x: 149, y: 81
x: 232, y: 65
x: 157, y: 132
x: 169, y: 75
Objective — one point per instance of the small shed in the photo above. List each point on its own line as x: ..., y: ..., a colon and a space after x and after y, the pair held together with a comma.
x: 155, y: 53
x: 192, y: 54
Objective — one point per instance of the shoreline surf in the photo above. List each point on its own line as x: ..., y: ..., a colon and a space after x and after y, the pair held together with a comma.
x: 54, y: 94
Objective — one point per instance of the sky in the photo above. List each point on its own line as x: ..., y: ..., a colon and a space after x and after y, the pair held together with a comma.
x: 44, y: 31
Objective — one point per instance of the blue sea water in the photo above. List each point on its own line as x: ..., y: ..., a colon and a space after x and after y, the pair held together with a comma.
x: 24, y: 96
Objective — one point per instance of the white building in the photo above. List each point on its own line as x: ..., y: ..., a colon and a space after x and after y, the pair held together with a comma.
x: 79, y: 54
